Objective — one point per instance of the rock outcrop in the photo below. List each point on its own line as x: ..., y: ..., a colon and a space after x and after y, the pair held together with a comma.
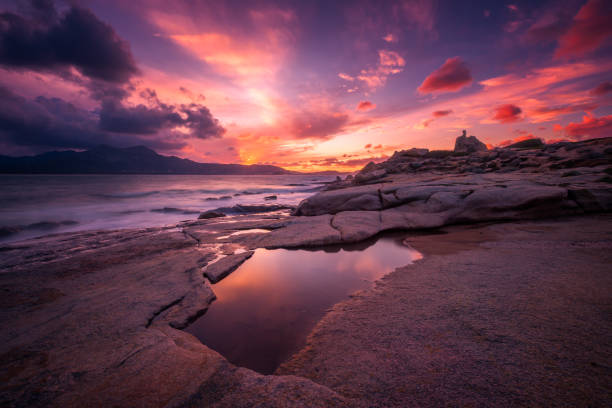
x: 530, y: 156
x: 471, y: 144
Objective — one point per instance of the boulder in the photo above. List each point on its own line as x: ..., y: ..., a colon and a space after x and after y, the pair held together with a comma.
x: 210, y: 214
x: 363, y: 178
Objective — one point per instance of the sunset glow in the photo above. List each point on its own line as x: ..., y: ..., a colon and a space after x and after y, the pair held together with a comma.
x: 307, y: 86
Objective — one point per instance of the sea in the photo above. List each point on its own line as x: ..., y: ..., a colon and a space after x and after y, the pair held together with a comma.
x: 36, y: 205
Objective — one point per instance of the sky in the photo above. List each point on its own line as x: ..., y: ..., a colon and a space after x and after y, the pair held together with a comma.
x: 305, y: 85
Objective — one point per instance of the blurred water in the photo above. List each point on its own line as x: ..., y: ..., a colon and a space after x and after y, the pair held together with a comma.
x: 33, y: 205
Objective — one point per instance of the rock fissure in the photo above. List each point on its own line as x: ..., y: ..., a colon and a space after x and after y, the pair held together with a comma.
x: 163, y: 309
x: 189, y: 235
x: 129, y: 356
x: 331, y: 224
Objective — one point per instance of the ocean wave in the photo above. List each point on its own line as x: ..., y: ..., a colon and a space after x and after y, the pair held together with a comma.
x: 41, y: 225
x: 225, y: 197
x: 174, y: 210
x: 128, y: 195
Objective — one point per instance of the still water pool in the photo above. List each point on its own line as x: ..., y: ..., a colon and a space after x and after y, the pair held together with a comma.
x: 266, y: 308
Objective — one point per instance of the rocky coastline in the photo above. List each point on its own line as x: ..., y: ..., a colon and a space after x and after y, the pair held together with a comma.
x: 94, y: 318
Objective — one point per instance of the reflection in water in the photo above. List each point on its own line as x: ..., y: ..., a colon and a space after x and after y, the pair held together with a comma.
x: 266, y: 308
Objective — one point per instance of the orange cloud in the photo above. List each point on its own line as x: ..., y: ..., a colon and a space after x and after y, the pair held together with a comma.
x: 453, y: 75
x: 365, y: 106
x: 507, y: 113
x: 590, y: 28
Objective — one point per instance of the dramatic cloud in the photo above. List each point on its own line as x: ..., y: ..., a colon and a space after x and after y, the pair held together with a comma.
x: 590, y: 126
x: 507, y: 113
x: 590, y: 28
x: 44, y: 123
x: 365, y: 106
x: 77, y: 39
x: 602, y: 89
x: 450, y: 77
x: 141, y: 119
x: 51, y: 123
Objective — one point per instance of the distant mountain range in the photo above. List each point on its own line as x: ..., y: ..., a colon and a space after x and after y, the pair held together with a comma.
x: 131, y: 160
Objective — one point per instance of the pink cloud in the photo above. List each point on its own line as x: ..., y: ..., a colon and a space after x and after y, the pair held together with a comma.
x: 441, y: 113
x: 507, y: 113
x: 346, y: 77
x: 590, y: 126
x: 450, y: 77
x: 389, y: 63
x: 390, y: 38
x: 590, y: 28
x: 390, y: 59
x: 365, y: 106
x: 435, y: 115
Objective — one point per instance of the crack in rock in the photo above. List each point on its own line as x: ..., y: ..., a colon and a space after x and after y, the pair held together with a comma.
x: 162, y: 309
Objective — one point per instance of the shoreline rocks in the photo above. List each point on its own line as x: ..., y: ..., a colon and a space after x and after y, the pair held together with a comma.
x: 92, y: 318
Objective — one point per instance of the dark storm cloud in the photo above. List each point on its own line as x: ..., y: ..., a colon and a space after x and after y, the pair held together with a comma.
x: 49, y: 122
x: 43, y: 40
x: 52, y: 123
x: 141, y: 119
x: 38, y: 38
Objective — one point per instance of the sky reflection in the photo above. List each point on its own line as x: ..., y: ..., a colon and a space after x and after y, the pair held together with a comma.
x: 266, y: 308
